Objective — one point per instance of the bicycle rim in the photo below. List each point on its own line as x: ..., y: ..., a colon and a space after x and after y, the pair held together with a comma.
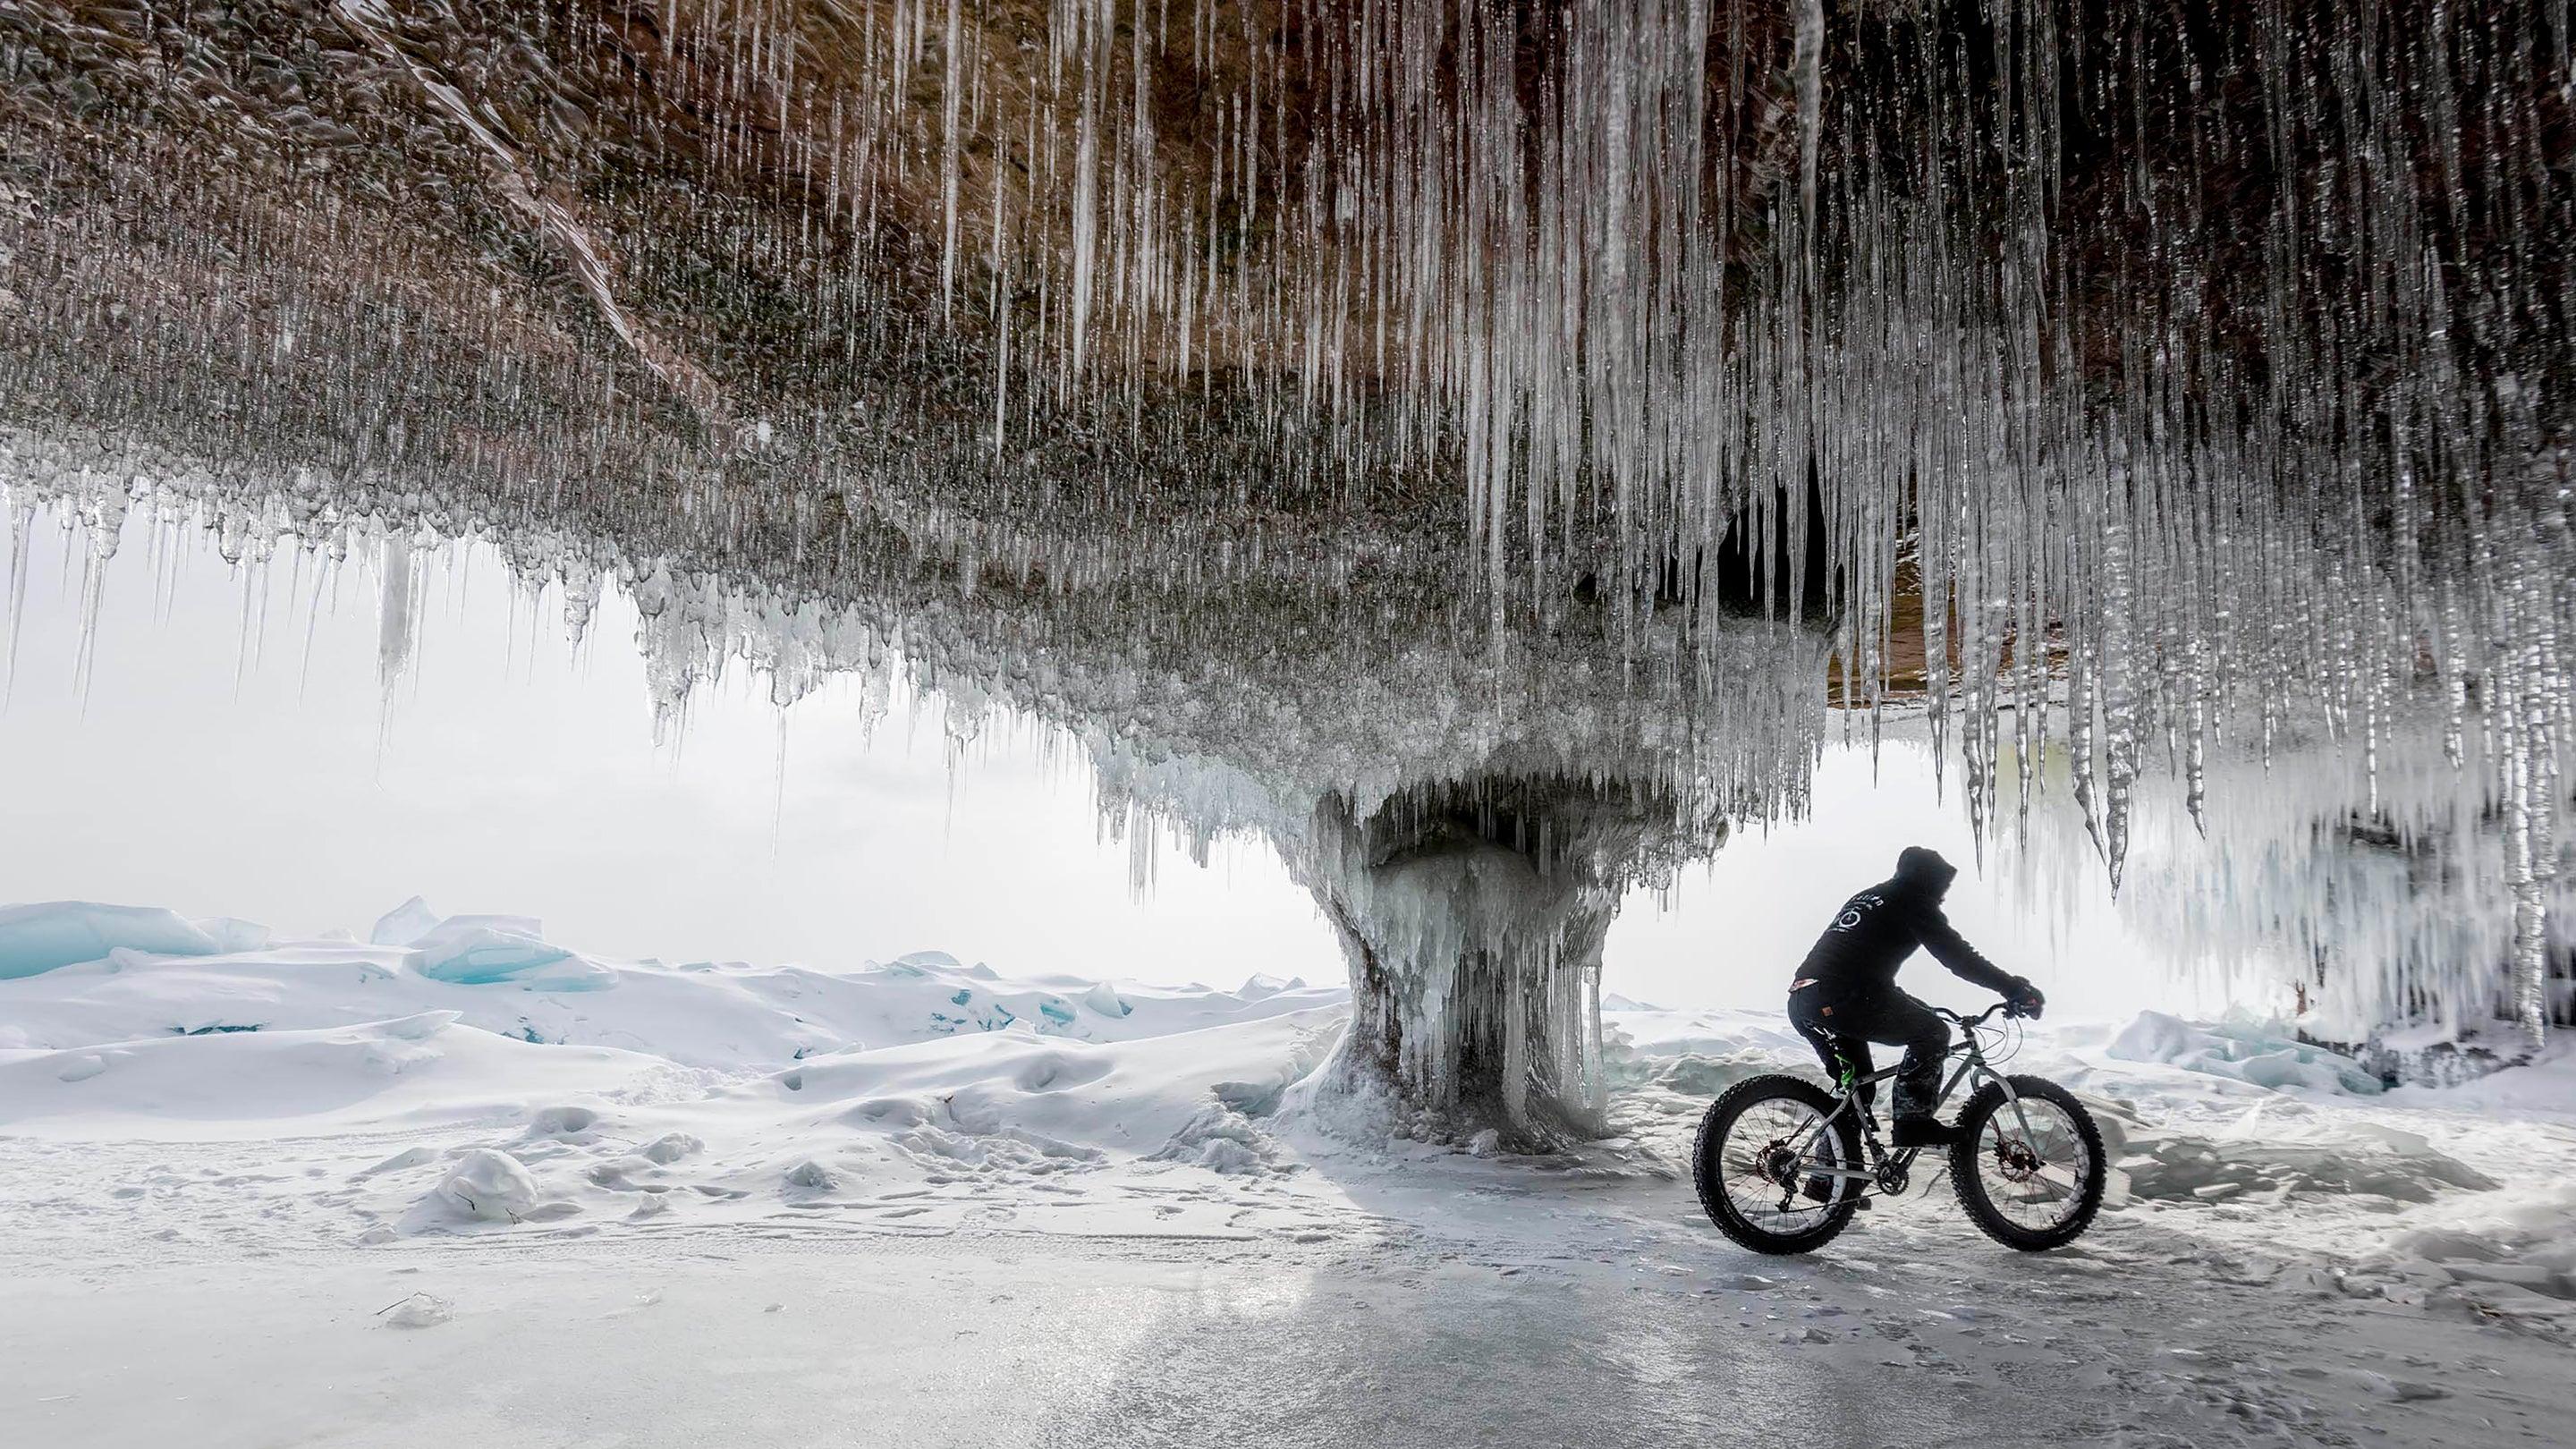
x: 2032, y: 1164
x: 1764, y: 1167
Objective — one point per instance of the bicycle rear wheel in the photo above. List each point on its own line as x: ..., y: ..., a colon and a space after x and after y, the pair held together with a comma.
x: 1755, y: 1161
x: 2030, y: 1171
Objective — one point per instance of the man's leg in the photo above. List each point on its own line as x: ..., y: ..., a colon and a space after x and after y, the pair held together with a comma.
x: 1844, y: 1053
x: 1900, y: 1020
x: 1926, y: 1039
x: 1846, y: 1059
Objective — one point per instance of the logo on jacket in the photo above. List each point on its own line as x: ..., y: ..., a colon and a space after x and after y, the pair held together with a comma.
x: 1855, y: 909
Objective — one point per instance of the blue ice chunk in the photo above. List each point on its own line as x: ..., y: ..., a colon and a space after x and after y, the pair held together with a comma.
x: 404, y: 924
x: 231, y: 936
x: 488, y: 950
x: 921, y: 963
x: 37, y: 938
x: 962, y: 997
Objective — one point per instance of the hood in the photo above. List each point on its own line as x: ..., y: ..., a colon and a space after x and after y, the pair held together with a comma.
x: 1925, y: 869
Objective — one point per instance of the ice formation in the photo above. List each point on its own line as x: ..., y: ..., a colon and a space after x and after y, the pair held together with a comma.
x: 38, y: 938
x: 1266, y: 389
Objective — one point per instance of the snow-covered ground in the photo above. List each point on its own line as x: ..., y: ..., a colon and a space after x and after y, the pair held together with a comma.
x: 460, y: 1184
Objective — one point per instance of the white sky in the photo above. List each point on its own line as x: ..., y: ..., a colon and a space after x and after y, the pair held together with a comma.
x: 219, y: 777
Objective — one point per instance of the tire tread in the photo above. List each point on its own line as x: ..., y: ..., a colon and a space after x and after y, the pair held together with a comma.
x: 1971, y: 1188
x: 1713, y: 1125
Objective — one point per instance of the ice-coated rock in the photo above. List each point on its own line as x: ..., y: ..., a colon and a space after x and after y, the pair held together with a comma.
x: 670, y: 1147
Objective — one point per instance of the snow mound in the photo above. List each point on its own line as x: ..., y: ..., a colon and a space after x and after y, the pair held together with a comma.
x: 420, y: 1310
x: 419, y: 1068
x: 670, y: 1147
x: 1223, y: 1141
x: 2241, y: 1050
x: 813, y: 1176
x: 38, y: 938
x: 487, y: 1186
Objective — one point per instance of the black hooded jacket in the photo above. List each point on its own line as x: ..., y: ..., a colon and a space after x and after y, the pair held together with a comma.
x: 1877, y: 929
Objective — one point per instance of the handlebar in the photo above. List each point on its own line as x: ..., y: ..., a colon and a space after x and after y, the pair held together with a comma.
x: 1973, y: 1021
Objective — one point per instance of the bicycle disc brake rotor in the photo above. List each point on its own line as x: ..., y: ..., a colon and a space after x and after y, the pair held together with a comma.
x: 2015, y: 1159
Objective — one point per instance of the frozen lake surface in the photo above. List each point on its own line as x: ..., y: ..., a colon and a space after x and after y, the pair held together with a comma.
x: 326, y: 1192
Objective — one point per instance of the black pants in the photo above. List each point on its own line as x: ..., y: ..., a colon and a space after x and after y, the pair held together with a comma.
x: 1840, y: 1025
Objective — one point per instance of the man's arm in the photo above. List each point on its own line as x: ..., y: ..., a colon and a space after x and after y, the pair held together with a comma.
x: 1951, y: 949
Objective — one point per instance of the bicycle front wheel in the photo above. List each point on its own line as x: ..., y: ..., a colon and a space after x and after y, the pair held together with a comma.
x: 2029, y: 1170
x: 1758, y: 1159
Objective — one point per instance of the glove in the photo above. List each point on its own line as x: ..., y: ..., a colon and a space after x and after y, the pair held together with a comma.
x: 2024, y: 999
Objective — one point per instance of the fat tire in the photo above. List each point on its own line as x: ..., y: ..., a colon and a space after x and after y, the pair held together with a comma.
x: 1705, y: 1176
x: 1971, y: 1187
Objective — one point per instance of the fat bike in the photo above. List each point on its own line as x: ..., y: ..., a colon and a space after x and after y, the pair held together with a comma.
x: 1783, y: 1164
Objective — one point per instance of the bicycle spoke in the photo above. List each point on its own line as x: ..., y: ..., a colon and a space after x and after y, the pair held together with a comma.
x: 1765, y: 1166
x: 2033, y: 1164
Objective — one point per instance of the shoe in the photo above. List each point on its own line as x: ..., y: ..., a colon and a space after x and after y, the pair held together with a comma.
x: 1924, y: 1132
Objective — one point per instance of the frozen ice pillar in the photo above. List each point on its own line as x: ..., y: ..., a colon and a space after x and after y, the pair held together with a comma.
x: 1473, y: 914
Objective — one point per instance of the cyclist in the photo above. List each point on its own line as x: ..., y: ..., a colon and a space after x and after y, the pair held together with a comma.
x: 1845, y: 994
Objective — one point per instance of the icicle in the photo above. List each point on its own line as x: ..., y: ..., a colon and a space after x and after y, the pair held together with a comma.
x: 22, y: 522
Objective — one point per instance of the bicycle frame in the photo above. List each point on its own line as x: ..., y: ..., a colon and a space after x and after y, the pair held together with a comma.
x: 1972, y: 1066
